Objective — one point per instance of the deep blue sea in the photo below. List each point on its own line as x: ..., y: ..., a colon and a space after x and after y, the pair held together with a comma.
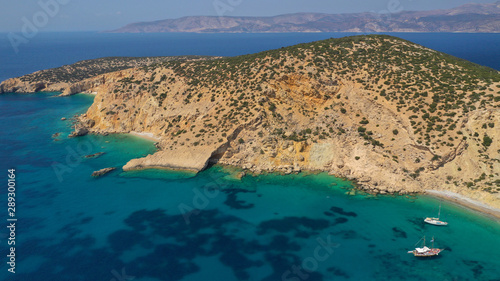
x: 47, y: 50
x: 156, y: 225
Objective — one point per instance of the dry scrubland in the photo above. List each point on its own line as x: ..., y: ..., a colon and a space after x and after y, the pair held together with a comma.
x: 393, y: 115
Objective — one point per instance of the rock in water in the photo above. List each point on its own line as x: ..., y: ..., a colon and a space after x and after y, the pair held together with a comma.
x: 351, y: 193
x: 79, y: 131
x: 95, y: 155
x: 241, y: 174
x: 102, y: 172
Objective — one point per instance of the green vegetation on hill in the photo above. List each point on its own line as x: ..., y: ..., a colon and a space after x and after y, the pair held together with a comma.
x: 389, y: 99
x: 408, y: 104
x: 90, y: 68
x: 432, y: 88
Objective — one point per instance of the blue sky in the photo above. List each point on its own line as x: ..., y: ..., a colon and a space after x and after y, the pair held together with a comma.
x: 92, y: 15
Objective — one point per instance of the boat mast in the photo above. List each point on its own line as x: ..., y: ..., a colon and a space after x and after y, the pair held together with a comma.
x: 439, y: 213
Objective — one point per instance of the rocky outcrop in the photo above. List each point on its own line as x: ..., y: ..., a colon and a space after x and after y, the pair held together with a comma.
x: 79, y: 131
x: 16, y: 85
x: 102, y: 172
x: 82, y: 127
x: 79, y: 77
x: 190, y: 159
x: 95, y: 155
x: 79, y: 87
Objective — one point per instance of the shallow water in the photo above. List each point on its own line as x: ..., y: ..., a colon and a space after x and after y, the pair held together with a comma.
x: 157, y: 225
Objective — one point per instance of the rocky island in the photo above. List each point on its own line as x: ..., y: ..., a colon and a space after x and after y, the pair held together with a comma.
x: 470, y: 18
x: 392, y: 115
x: 102, y: 172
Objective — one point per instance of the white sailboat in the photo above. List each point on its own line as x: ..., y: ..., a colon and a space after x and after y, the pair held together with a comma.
x: 436, y: 221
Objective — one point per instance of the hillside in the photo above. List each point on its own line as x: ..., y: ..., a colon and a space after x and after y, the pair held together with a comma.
x: 390, y: 114
x: 467, y: 18
x: 64, y: 79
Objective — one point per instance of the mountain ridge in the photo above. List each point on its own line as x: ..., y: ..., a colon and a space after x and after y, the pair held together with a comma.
x: 465, y: 18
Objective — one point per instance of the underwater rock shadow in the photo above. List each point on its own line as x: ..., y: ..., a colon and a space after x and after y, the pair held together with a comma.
x: 341, y: 211
x: 303, y: 226
x: 172, y: 246
x: 399, y: 233
x: 232, y: 198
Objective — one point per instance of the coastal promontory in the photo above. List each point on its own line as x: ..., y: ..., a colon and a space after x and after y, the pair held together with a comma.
x: 392, y: 115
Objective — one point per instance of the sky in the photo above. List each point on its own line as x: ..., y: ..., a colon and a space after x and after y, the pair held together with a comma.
x: 102, y: 15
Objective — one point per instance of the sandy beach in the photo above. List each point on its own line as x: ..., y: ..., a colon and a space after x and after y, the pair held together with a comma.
x: 466, y: 202
x: 148, y: 136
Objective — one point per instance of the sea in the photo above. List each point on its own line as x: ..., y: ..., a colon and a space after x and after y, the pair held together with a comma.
x: 157, y: 225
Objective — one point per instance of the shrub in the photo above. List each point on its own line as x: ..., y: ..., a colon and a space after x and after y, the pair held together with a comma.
x: 487, y: 141
x: 435, y: 157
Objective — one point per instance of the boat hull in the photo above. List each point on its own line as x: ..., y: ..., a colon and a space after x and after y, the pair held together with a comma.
x: 434, y: 221
x: 430, y: 253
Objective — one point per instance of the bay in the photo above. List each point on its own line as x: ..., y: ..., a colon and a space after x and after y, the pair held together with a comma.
x: 158, y: 225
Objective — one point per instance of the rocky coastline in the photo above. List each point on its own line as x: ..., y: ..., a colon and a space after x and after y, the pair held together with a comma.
x: 372, y: 109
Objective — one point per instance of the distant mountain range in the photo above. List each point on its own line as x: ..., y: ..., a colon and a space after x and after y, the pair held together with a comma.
x: 467, y: 18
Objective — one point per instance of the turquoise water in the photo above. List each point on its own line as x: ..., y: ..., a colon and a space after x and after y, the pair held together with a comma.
x: 156, y: 225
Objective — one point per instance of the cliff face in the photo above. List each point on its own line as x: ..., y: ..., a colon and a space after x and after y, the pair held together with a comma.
x: 467, y: 18
x: 395, y: 116
x: 69, y: 79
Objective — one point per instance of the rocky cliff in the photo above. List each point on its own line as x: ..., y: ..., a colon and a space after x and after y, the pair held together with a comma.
x: 390, y: 114
x: 71, y: 79
x: 395, y: 116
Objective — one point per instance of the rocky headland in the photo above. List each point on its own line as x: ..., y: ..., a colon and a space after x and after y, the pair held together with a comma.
x: 391, y: 115
x: 81, y: 76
